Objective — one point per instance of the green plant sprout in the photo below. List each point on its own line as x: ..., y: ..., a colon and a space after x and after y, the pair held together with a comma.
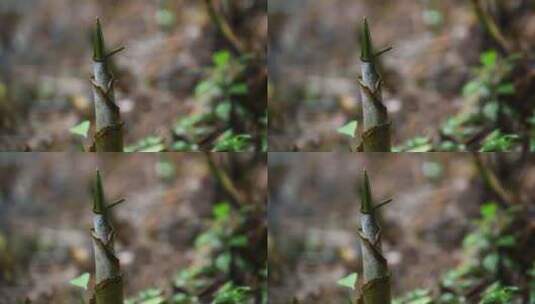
x: 82, y: 282
x: 376, y: 279
x: 349, y: 281
x: 375, y: 136
x: 81, y: 130
x: 108, y: 279
x: 349, y: 129
x: 108, y: 125
x: 375, y: 123
x: 375, y: 285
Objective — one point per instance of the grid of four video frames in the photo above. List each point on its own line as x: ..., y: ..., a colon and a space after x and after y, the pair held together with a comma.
x: 267, y: 151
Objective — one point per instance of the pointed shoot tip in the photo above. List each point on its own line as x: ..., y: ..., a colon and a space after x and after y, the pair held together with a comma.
x: 98, y: 196
x: 98, y: 43
x: 365, y: 195
x: 366, y: 53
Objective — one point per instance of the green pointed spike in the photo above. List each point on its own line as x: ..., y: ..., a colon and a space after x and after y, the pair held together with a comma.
x: 366, y: 196
x: 366, y: 51
x: 98, y: 44
x: 119, y: 201
x: 98, y: 196
x: 383, y: 203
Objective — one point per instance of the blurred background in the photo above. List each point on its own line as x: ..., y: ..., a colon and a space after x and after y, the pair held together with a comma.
x: 452, y: 234
x: 314, y: 64
x: 183, y: 235
x: 172, y: 47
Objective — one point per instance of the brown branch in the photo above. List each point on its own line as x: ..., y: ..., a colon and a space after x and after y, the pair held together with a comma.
x: 490, y: 179
x: 491, y: 27
x: 225, y: 181
x: 224, y: 27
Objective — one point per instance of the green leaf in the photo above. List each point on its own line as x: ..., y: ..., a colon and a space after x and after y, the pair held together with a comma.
x: 204, y: 87
x: 230, y: 294
x: 490, y: 110
x: 155, y: 148
x: 221, y: 211
x: 490, y: 262
x: 350, y: 129
x: 498, y: 142
x: 473, y: 240
x: 239, y: 241
x: 181, y: 145
x: 81, y: 281
x: 489, y: 211
x: 489, y: 58
x: 450, y: 146
x: 421, y: 148
x: 348, y: 281
x: 417, y: 296
x: 432, y: 17
x: 417, y: 144
x: 221, y: 58
x: 165, y: 169
x: 496, y: 294
x: 208, y: 239
x: 165, y: 17
x: 222, y: 262
x: 432, y: 169
x: 472, y: 87
x: 238, y: 89
x: 506, y: 241
x: 223, y: 110
x: 506, y: 89
x: 147, y: 144
x: 157, y: 300
x: 81, y: 129
x: 229, y: 141
x: 148, y: 296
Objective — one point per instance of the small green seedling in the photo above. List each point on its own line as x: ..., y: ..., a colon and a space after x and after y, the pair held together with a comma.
x: 82, y: 281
